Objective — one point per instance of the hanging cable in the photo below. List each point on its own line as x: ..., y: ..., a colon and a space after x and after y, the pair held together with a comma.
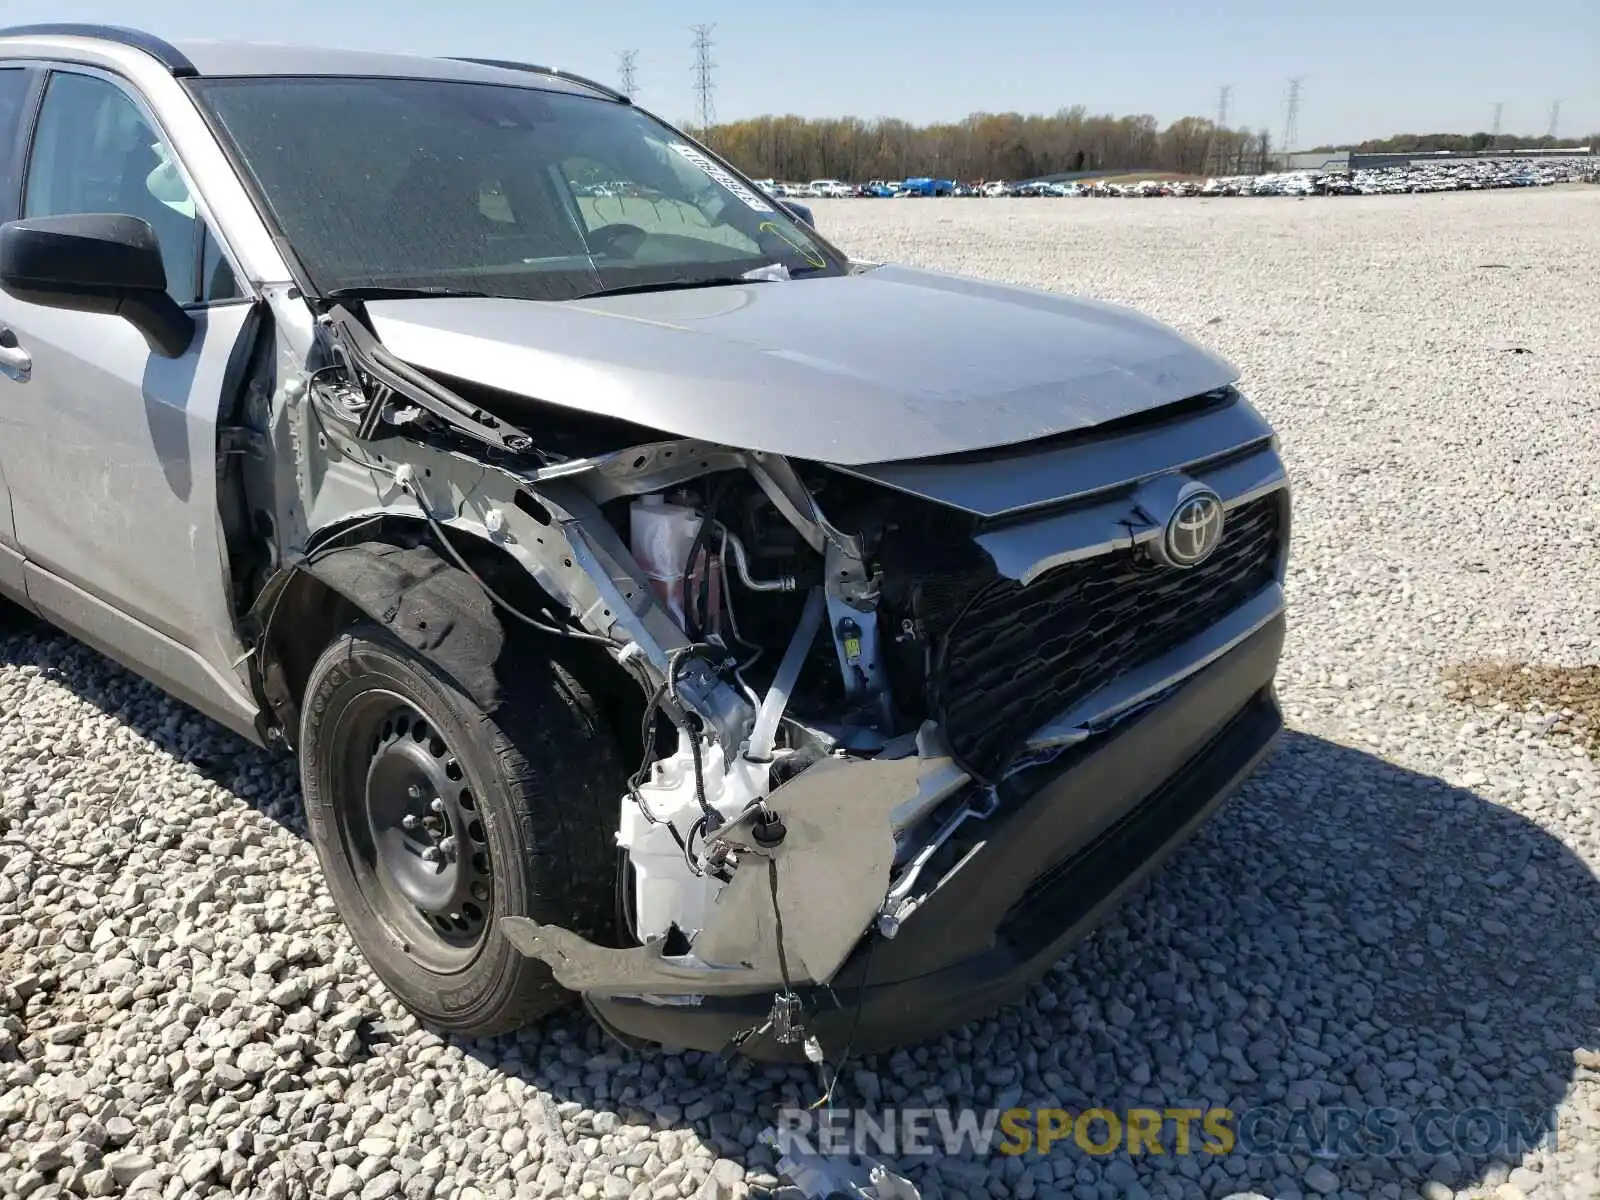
x: 826, y: 1099
x: 697, y: 593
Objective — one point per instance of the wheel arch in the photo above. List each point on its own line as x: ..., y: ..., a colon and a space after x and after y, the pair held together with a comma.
x: 397, y: 576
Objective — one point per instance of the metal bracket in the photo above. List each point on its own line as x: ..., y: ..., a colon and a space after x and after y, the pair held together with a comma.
x: 899, y: 904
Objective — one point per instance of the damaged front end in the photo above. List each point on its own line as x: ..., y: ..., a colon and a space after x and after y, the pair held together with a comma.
x: 845, y: 671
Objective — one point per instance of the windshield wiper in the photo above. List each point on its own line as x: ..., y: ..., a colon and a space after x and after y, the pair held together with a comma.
x: 671, y: 285
x: 381, y: 292
x: 770, y: 273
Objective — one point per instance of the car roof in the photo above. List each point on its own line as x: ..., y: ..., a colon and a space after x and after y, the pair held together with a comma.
x: 234, y: 59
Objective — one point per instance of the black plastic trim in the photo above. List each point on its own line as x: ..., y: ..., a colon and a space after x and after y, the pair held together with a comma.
x: 506, y: 64
x: 12, y: 187
x: 164, y: 52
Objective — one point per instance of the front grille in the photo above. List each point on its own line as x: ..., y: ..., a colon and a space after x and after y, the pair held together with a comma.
x: 1015, y: 657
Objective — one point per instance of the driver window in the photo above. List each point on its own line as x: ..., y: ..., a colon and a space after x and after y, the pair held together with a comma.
x: 94, y: 152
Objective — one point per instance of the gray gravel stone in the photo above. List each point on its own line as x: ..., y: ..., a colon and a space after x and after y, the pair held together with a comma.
x: 1321, y: 1180
x: 128, y: 1165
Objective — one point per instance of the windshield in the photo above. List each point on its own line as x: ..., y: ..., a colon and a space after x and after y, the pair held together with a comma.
x: 398, y: 184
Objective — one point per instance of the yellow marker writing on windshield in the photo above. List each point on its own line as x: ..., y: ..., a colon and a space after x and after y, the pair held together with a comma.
x: 810, y: 253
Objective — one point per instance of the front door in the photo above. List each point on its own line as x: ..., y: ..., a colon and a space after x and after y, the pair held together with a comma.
x: 111, y: 450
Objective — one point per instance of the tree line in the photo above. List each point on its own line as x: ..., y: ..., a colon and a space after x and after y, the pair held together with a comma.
x: 984, y: 146
x: 1014, y: 146
x: 1468, y: 143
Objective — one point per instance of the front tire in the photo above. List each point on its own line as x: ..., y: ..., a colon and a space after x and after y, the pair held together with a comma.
x: 434, y: 821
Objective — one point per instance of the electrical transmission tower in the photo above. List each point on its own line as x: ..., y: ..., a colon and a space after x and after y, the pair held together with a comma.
x: 1217, y: 151
x: 626, y: 72
x: 1555, y: 119
x: 1291, y: 117
x: 1494, y: 130
x: 704, y: 87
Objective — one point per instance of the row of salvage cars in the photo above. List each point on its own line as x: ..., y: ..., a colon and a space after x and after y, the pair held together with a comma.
x: 1473, y: 175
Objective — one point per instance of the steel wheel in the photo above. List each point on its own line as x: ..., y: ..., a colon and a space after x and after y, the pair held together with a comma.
x: 415, y: 833
x: 434, y: 819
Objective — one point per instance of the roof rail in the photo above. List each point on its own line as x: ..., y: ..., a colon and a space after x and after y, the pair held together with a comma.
x: 506, y: 64
x: 164, y: 52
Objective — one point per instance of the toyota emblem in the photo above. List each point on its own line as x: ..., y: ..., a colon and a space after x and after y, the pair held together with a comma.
x: 1194, y: 530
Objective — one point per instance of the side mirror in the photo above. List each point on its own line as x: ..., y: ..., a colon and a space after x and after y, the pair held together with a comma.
x: 99, y: 263
x: 800, y: 212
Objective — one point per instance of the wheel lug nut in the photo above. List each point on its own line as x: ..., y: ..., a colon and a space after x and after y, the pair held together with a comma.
x: 414, y: 792
x: 448, y: 847
x: 437, y: 804
x: 430, y: 854
x: 410, y: 822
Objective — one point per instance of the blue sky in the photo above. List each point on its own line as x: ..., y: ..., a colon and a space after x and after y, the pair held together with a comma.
x: 1370, y: 67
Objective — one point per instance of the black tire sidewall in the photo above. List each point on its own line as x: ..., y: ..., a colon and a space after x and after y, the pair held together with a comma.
x: 497, y: 977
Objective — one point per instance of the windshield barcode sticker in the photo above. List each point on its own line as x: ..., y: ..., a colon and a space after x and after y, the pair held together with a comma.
x: 751, y: 200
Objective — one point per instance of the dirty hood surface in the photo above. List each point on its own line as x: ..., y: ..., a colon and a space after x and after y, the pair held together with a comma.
x: 890, y: 363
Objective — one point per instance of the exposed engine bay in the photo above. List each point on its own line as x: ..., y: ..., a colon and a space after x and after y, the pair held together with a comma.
x: 840, y: 667
x: 828, y: 647
x: 758, y: 849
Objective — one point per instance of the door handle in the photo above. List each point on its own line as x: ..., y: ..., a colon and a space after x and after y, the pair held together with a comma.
x: 15, y: 362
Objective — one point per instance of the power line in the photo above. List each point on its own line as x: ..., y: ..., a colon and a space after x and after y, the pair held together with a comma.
x: 1217, y: 151
x: 1555, y: 118
x: 704, y: 86
x: 627, y: 67
x: 1291, y: 116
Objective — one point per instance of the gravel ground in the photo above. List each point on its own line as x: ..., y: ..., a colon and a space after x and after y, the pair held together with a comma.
x: 1399, y: 910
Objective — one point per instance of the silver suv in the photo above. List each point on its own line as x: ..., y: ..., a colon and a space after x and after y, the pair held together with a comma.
x: 770, y: 647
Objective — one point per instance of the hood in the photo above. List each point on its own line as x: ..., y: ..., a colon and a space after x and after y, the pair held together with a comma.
x: 886, y: 364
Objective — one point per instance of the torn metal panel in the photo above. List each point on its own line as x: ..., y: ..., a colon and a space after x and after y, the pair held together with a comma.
x: 561, y: 539
x: 831, y: 873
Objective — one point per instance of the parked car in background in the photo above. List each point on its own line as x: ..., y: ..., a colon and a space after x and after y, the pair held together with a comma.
x: 926, y: 186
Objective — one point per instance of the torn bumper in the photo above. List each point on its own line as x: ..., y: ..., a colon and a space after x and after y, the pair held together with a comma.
x: 1067, y: 841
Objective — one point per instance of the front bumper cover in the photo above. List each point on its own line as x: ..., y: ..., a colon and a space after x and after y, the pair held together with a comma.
x: 1065, y: 845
